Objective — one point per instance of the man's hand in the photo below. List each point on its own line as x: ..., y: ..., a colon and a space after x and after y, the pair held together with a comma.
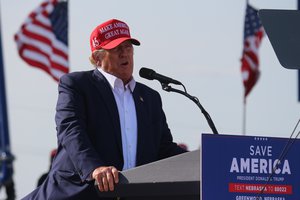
x: 106, y: 177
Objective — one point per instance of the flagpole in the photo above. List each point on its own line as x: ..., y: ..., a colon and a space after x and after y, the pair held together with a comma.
x: 244, y: 102
x: 244, y: 116
x: 6, y: 157
x: 250, y: 64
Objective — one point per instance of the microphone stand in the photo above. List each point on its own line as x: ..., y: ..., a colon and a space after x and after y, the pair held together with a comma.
x: 210, y: 122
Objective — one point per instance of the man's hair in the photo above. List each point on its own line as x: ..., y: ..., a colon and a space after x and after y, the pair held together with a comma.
x: 96, y: 56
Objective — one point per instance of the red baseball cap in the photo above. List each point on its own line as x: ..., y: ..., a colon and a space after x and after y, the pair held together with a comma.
x: 110, y: 34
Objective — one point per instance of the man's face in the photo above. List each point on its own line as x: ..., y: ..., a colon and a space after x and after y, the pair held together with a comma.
x: 119, y: 61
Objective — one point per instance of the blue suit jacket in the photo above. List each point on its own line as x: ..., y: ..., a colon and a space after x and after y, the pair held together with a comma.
x: 89, y: 134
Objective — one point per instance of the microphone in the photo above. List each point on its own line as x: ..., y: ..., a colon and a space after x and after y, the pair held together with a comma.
x: 164, y: 80
x: 151, y: 75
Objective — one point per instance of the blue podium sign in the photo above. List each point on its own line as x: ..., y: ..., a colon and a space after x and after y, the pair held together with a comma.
x: 249, y: 168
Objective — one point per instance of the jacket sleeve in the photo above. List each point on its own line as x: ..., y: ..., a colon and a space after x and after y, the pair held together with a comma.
x: 71, y: 125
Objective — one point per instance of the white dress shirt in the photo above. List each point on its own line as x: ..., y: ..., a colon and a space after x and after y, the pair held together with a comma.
x: 127, y: 115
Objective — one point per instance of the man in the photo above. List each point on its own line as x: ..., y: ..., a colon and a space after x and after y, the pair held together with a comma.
x: 106, y: 122
x: 44, y: 175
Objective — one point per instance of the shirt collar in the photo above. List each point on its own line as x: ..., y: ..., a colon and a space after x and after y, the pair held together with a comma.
x: 115, y: 82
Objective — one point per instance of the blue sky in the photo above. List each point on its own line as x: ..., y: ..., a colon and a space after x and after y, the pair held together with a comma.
x: 196, y: 42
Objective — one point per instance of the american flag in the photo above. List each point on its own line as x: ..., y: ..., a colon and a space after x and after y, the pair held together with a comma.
x: 42, y: 40
x: 253, y: 34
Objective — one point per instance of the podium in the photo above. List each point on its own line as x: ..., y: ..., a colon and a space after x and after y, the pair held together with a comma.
x: 176, y: 178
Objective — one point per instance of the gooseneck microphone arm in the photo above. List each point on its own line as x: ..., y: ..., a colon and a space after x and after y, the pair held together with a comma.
x: 165, y: 81
x: 210, y: 122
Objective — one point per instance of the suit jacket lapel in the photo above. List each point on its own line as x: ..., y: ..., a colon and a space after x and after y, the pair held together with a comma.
x: 140, y: 115
x: 108, y: 97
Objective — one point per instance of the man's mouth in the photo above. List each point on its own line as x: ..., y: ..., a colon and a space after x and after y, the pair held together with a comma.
x: 124, y: 63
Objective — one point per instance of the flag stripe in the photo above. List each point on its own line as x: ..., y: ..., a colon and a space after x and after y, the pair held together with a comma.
x: 39, y: 44
x: 42, y: 22
x: 44, y: 44
x: 39, y: 33
x: 53, y: 61
x: 253, y: 34
x: 36, y: 60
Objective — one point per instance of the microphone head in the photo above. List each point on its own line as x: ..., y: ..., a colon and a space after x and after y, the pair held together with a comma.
x: 146, y: 73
